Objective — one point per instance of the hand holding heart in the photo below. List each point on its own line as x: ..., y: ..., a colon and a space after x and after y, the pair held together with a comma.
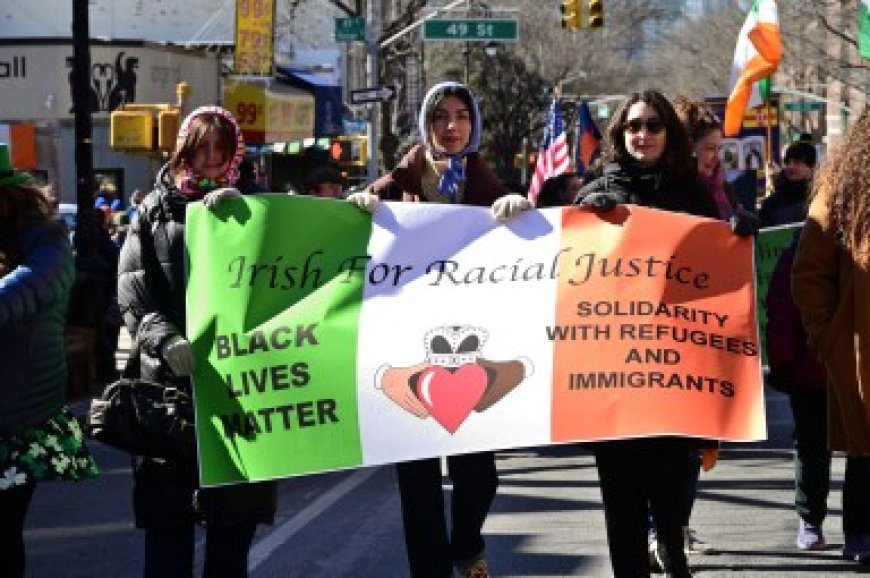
x: 395, y: 383
x: 450, y: 394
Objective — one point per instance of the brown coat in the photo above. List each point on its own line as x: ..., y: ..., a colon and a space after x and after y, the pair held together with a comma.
x: 832, y: 291
x: 414, y: 173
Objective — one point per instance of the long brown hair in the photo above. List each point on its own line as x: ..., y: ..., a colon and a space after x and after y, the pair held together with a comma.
x: 199, y: 126
x: 846, y: 181
x: 676, y: 161
x: 21, y: 206
x: 698, y: 118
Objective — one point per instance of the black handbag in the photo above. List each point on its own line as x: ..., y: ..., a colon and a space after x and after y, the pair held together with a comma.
x: 143, y: 418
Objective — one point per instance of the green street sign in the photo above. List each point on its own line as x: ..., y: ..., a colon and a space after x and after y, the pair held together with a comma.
x: 804, y: 106
x: 471, y: 29
x: 350, y: 29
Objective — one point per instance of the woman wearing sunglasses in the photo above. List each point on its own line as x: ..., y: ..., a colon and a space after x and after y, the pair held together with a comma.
x: 646, y: 160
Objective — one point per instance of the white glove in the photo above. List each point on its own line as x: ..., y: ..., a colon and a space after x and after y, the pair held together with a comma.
x: 214, y: 198
x: 509, y: 206
x: 179, y: 356
x: 364, y: 200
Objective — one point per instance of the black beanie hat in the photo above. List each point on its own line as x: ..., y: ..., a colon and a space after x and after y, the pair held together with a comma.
x: 801, y: 151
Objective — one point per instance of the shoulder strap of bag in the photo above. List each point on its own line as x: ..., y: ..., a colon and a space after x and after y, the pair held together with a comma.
x: 132, y: 367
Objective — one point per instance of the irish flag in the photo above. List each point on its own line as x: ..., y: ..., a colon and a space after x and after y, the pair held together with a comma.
x: 756, y: 56
x: 864, y: 29
x: 328, y: 338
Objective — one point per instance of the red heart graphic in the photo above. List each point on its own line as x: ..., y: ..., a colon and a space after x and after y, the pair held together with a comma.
x: 450, y: 396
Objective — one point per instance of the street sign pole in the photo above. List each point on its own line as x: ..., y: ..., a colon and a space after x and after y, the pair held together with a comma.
x: 373, y: 31
x: 373, y: 94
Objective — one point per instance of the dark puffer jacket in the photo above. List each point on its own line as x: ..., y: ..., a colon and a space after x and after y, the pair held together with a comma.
x: 151, y: 295
x: 33, y: 303
x: 787, y: 204
x: 649, y: 187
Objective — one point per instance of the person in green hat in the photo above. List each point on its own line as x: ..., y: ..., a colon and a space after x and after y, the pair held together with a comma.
x: 40, y: 440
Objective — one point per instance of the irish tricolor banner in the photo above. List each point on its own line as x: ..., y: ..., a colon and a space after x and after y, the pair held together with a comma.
x: 327, y: 338
x: 756, y: 56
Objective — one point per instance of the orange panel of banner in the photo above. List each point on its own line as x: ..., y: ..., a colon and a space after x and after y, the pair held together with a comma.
x: 653, y: 325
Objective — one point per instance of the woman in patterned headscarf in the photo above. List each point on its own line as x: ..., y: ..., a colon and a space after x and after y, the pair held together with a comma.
x: 151, y: 295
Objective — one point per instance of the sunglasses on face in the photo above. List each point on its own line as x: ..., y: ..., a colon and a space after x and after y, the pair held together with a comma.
x: 653, y: 125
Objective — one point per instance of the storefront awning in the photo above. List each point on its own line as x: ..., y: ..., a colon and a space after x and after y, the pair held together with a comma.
x: 327, y: 98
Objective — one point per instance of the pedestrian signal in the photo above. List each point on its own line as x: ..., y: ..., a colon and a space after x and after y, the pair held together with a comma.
x: 596, y: 13
x: 340, y: 151
x: 572, y: 16
x: 168, y: 122
x: 349, y: 150
x: 131, y: 130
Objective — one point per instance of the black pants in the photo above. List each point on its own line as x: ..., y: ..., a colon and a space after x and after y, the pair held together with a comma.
x: 13, y: 509
x: 812, y: 459
x: 636, y: 475
x: 856, y: 497
x: 169, y: 551
x: 430, y: 552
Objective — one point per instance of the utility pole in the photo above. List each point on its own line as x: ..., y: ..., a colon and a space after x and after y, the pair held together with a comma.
x: 373, y: 32
x: 84, y: 154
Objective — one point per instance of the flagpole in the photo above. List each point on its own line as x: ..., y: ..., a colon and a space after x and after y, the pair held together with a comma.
x: 768, y: 150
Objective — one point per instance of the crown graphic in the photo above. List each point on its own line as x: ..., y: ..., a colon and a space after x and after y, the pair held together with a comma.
x: 454, y: 345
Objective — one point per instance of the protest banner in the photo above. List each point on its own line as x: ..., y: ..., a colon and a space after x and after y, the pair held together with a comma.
x: 327, y: 338
x: 769, y: 245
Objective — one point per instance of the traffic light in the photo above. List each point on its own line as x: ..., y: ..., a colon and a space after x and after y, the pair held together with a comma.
x: 596, y: 13
x: 340, y: 150
x: 168, y: 122
x: 349, y: 150
x: 144, y: 127
x: 131, y: 130
x: 572, y: 15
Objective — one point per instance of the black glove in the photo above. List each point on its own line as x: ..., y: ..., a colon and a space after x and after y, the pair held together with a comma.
x: 602, y: 201
x: 743, y: 223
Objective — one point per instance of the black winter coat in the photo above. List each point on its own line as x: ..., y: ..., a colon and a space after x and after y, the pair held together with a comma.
x: 787, y: 204
x: 151, y: 296
x: 649, y: 187
x: 33, y: 303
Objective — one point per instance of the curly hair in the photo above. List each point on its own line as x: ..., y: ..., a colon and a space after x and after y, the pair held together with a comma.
x: 847, y: 182
x: 698, y: 118
x: 676, y: 159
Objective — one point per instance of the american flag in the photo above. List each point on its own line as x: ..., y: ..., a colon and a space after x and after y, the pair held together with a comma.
x: 553, y: 159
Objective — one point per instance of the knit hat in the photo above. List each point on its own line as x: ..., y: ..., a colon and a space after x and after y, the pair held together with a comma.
x: 802, y: 151
x: 9, y: 177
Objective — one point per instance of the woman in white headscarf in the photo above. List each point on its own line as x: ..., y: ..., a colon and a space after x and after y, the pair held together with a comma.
x: 446, y: 167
